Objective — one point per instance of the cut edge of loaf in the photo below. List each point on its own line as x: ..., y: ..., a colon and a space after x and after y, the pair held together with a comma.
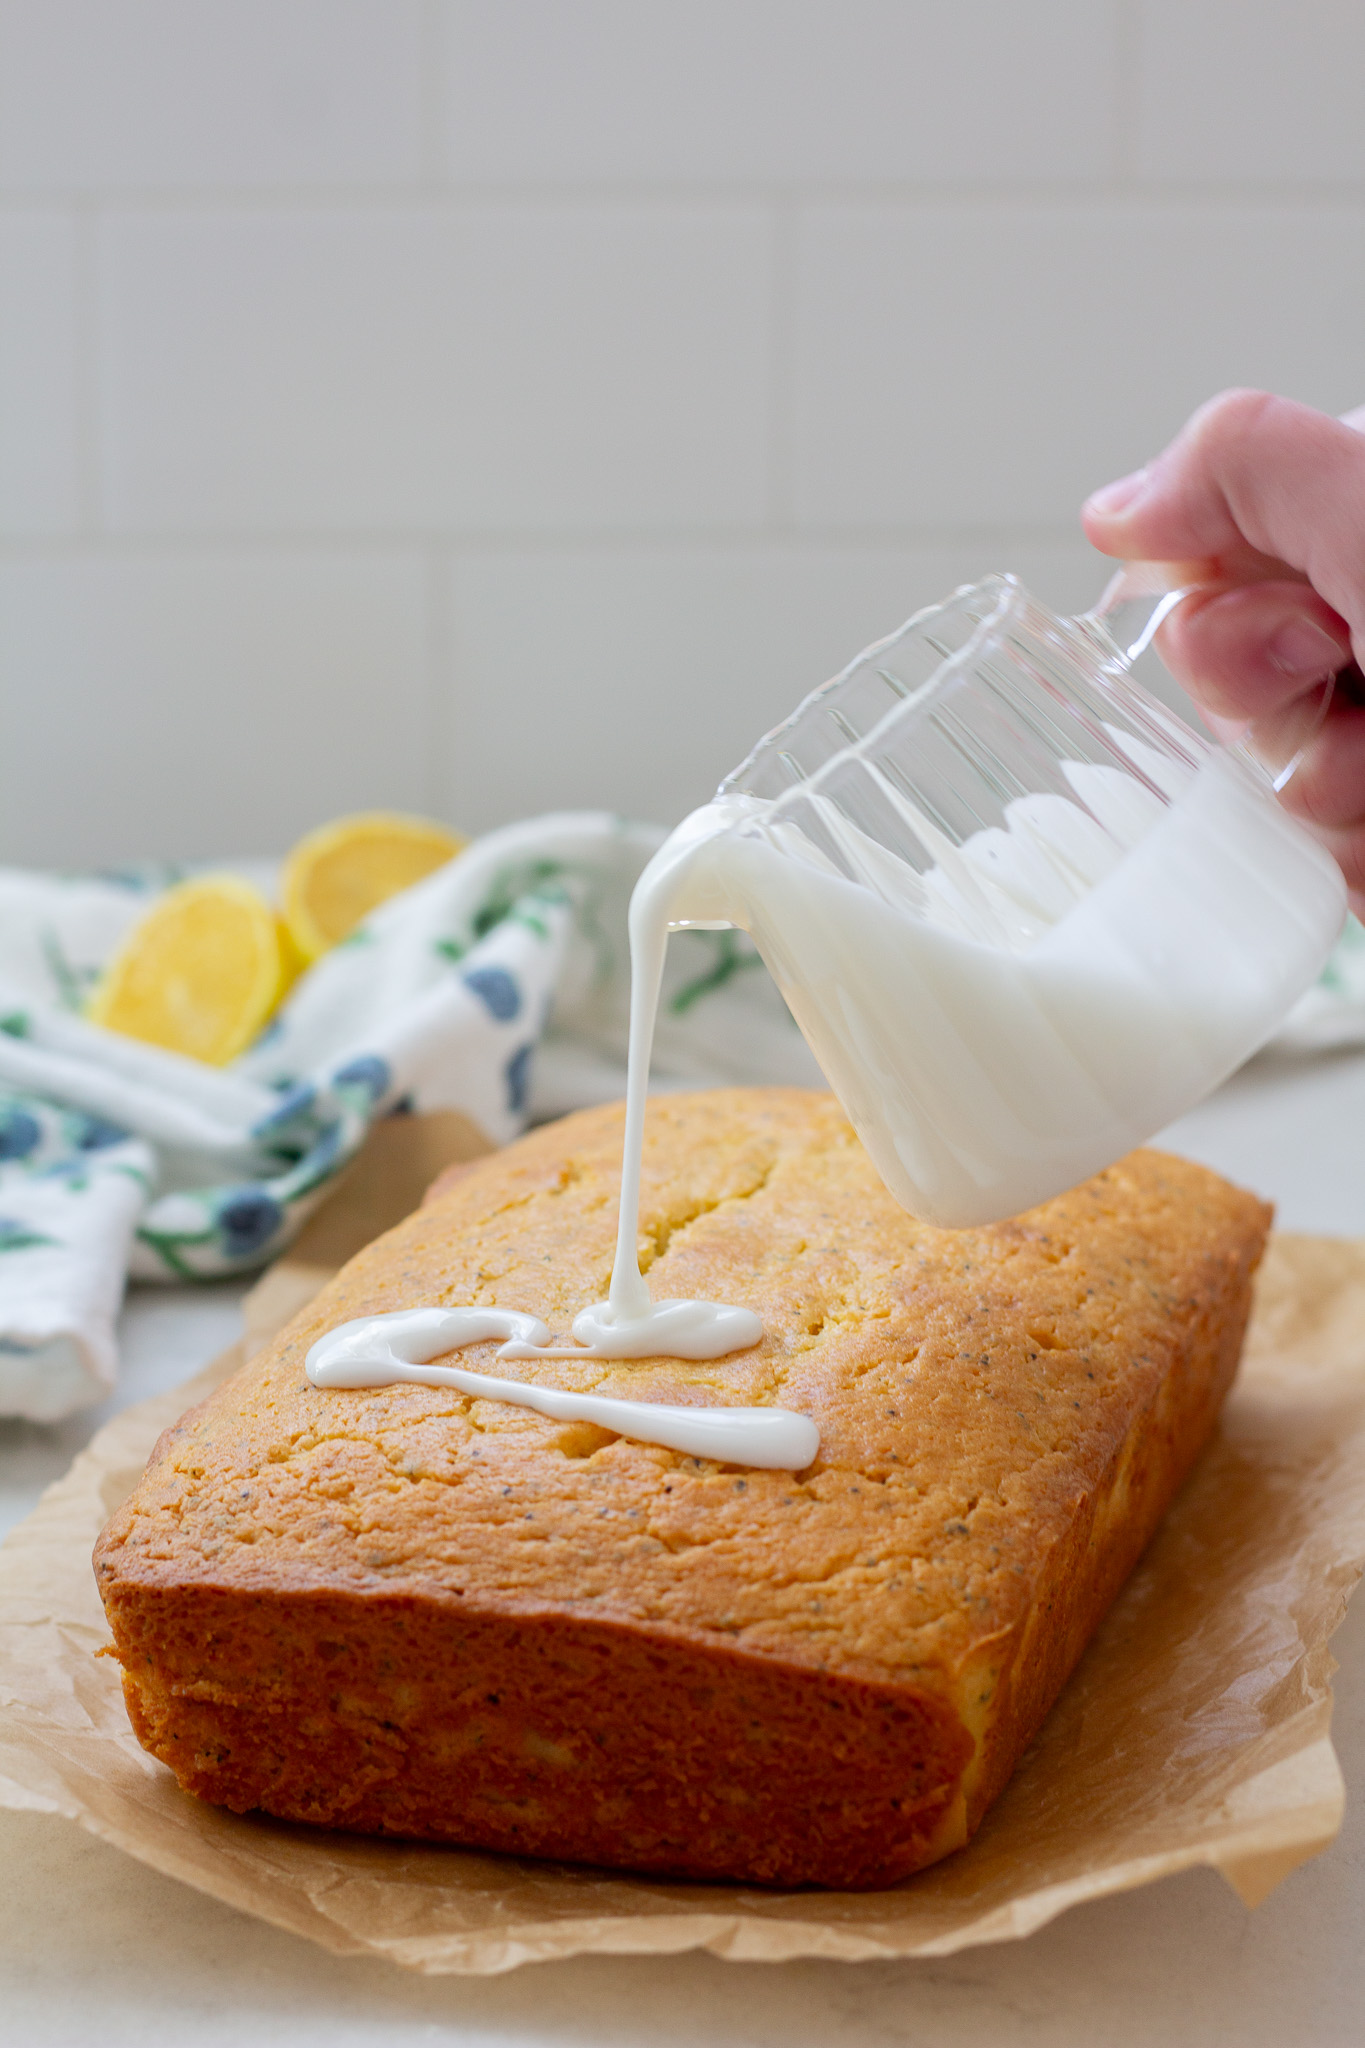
x: 857, y: 1783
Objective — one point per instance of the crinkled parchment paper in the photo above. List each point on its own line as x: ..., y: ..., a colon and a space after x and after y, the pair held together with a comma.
x: 1194, y: 1731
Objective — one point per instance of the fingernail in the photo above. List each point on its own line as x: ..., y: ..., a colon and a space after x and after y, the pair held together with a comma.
x: 1299, y: 648
x: 1120, y: 496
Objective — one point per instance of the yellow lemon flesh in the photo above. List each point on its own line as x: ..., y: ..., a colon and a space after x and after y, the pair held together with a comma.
x: 337, y: 875
x: 199, y: 975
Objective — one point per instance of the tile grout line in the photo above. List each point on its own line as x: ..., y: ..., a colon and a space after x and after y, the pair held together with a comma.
x: 89, y: 330
x: 1019, y: 195
x: 440, y: 663
x: 1126, y: 108
x: 100, y: 544
x: 783, y: 231
x: 431, y: 55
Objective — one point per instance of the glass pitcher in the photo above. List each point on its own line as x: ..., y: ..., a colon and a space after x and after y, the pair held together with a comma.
x: 1023, y: 913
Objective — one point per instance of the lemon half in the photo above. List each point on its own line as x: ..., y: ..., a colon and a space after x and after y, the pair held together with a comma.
x: 337, y: 875
x: 199, y: 975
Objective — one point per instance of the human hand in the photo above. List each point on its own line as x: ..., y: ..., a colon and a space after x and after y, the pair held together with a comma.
x: 1270, y: 496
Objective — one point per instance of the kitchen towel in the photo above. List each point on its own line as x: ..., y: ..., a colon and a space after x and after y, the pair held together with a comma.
x: 498, y: 986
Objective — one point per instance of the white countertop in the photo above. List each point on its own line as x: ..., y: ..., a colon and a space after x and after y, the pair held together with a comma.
x: 96, y: 1949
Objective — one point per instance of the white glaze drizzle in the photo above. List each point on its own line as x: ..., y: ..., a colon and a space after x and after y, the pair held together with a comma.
x: 388, y: 1350
x: 377, y: 1351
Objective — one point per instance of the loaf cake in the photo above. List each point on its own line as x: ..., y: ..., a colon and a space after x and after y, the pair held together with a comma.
x: 405, y: 1612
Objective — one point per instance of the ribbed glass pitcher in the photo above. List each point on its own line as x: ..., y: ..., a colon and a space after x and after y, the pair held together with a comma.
x: 1023, y: 913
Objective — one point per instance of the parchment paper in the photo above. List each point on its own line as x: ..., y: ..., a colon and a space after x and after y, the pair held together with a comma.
x: 1195, y: 1730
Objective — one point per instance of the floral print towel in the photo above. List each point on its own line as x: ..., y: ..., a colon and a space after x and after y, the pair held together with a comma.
x: 498, y: 986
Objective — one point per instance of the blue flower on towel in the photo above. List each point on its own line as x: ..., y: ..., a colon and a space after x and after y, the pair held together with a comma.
x: 292, y: 1103
x: 369, y: 1072
x: 96, y: 1134
x: 16, y: 1236
x: 497, y: 989
x: 318, y: 1161
x: 248, y: 1219
x: 20, y: 1134
x: 519, y: 1078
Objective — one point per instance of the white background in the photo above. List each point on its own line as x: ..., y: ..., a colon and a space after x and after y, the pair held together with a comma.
x: 484, y: 405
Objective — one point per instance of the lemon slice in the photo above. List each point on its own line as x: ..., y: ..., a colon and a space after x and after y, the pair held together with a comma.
x: 337, y: 875
x: 199, y: 975
x: 292, y: 962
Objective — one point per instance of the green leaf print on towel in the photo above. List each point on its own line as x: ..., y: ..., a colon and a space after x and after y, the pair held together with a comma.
x: 17, y: 1237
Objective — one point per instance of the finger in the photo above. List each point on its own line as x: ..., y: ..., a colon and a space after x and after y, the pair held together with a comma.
x: 1327, y: 789
x: 1347, y: 849
x: 1250, y: 471
x: 1243, y: 652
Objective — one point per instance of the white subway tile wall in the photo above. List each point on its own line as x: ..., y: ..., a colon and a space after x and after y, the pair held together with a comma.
x: 418, y: 370
x: 982, y: 363
x: 1231, y: 90
x: 168, y: 702
x: 484, y: 405
x: 39, y: 463
x: 104, y: 96
x: 789, y: 91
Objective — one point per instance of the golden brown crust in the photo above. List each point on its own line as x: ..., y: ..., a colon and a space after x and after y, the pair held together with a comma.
x: 1004, y: 1414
